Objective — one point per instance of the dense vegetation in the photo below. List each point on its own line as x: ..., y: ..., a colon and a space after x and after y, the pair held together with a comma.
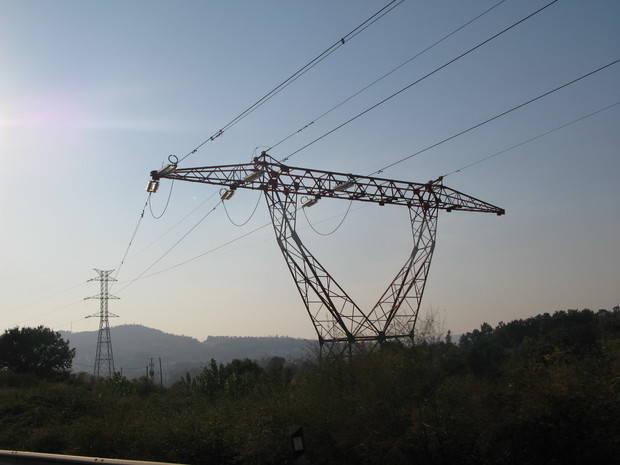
x: 39, y: 351
x: 541, y: 390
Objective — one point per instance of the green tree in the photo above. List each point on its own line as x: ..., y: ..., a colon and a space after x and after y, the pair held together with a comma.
x: 40, y: 351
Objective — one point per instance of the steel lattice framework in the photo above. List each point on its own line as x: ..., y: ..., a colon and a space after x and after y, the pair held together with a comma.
x: 336, y: 317
x: 104, y: 357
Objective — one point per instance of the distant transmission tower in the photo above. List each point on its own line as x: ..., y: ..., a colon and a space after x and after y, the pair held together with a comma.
x: 104, y: 358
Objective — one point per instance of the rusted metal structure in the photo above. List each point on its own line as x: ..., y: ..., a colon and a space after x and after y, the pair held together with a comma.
x: 337, y: 319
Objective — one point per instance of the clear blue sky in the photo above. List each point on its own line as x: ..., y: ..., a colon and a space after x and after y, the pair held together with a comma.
x: 93, y: 95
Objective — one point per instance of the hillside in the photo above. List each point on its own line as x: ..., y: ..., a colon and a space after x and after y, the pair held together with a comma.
x: 134, y: 345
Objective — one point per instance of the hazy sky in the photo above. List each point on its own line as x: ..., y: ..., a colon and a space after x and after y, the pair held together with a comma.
x: 94, y: 95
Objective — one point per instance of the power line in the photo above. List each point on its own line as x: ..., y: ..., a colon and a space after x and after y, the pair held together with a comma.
x: 393, y: 70
x: 255, y: 230
x: 532, y: 139
x: 408, y: 86
x: 249, y: 217
x: 171, y: 248
x: 225, y: 244
x: 157, y: 217
x: 360, y: 28
x: 499, y: 115
x: 64, y: 291
x: 133, y: 236
x: 423, y: 150
x: 190, y: 213
x: 383, y: 76
x: 589, y: 115
x: 300, y: 72
x: 388, y: 166
x: 297, y: 74
x: 54, y: 310
x: 319, y: 58
x: 140, y: 217
x: 32, y: 316
x: 142, y: 275
x: 185, y: 262
x: 70, y: 323
x: 344, y: 217
x: 49, y: 296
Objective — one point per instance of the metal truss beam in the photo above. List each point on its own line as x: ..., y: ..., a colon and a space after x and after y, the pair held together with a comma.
x: 333, y: 313
x: 389, y: 314
x: 267, y: 174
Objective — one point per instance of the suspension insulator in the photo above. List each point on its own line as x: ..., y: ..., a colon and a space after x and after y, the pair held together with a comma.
x: 152, y: 186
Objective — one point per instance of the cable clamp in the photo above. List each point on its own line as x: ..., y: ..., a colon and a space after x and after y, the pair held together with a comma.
x: 215, y: 136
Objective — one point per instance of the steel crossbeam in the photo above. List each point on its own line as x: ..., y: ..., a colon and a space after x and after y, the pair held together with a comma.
x: 265, y: 173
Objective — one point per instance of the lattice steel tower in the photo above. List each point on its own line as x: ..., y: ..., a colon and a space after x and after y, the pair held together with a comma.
x: 337, y: 319
x: 104, y: 358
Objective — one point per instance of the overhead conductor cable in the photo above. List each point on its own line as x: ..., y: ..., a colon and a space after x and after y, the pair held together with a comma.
x: 385, y: 75
x: 408, y: 86
x: 410, y: 156
x: 171, y: 248
x: 340, y: 223
x: 531, y: 139
x: 153, y: 185
x: 297, y: 74
x: 434, y: 145
x: 187, y: 215
x: 497, y: 116
x: 133, y: 236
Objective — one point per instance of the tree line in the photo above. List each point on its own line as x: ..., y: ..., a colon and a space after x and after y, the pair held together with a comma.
x: 544, y: 389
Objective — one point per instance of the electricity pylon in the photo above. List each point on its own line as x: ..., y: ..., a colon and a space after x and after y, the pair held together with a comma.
x: 104, y: 358
x: 337, y: 319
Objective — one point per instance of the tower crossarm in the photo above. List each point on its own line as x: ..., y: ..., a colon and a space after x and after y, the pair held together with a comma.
x: 101, y: 297
x: 269, y: 175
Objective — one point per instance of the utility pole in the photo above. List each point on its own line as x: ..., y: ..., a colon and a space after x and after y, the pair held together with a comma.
x: 161, y: 375
x: 104, y: 358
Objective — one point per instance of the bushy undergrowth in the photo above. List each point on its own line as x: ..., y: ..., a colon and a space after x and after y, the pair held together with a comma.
x: 541, y: 390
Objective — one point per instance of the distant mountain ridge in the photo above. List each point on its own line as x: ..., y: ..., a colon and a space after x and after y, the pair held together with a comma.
x: 134, y: 345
